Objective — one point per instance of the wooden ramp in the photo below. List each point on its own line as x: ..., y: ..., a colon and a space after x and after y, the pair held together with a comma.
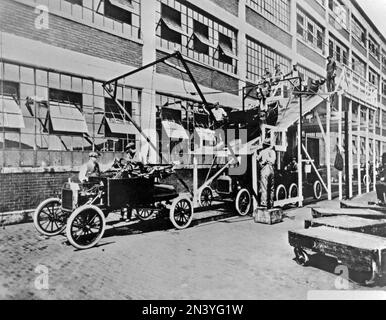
x: 359, y: 205
x: 355, y: 212
x: 357, y: 251
x: 357, y: 224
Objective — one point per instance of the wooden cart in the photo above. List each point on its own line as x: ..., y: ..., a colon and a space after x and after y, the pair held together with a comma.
x: 362, y: 213
x: 358, y: 251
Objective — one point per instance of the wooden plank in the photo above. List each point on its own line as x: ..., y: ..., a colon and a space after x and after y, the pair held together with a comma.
x: 361, y: 205
x: 356, y: 212
x: 357, y: 224
x: 353, y: 249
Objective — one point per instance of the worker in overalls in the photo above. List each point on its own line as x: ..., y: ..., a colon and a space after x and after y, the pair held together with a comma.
x: 267, y: 160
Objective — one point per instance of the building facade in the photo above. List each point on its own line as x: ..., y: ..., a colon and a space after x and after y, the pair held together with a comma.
x: 55, y: 55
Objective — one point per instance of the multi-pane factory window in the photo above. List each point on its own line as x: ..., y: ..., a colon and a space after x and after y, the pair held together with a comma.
x: 260, y: 57
x: 56, y: 112
x: 358, y: 65
x: 338, y: 50
x: 200, y: 37
x: 340, y: 13
x: 373, y: 77
x: 373, y: 48
x: 276, y: 11
x: 384, y: 87
x: 309, y: 30
x: 307, y: 74
x: 118, y: 16
x: 358, y: 31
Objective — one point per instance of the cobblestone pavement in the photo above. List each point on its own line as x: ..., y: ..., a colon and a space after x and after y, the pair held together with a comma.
x: 234, y: 258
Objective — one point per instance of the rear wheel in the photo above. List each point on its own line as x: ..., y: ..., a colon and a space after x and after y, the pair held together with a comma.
x: 317, y: 190
x: 85, y: 227
x: 49, y: 218
x: 281, y: 193
x: 243, y: 202
x: 181, y: 212
x: 293, y: 191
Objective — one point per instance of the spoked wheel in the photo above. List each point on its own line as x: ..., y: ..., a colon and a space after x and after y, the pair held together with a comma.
x: 301, y: 257
x: 206, y: 197
x: 144, y: 213
x: 281, y: 192
x: 293, y: 191
x: 317, y: 190
x: 49, y: 218
x: 243, y: 202
x: 86, y: 226
x: 181, y: 212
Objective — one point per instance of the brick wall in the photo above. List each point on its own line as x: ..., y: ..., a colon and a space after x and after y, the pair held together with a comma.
x: 68, y: 34
x: 25, y: 191
x: 310, y: 54
x: 231, y: 6
x: 204, y: 76
x: 22, y: 191
x: 268, y: 27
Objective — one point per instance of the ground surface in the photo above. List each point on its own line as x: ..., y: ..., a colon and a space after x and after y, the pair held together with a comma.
x: 234, y: 258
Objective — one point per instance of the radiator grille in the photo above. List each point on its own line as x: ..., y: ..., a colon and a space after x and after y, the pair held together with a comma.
x: 67, y: 199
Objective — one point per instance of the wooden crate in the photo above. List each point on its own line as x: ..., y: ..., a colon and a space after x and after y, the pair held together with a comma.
x: 362, y: 213
x: 357, y: 224
x: 268, y: 216
x: 357, y: 251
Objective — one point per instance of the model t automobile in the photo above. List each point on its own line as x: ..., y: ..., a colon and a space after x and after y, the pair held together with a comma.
x: 83, y: 207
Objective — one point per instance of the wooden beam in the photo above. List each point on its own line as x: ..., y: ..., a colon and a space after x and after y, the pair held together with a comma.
x: 320, y: 125
x: 350, y: 149
x: 328, y: 147
x: 374, y: 177
x: 367, y: 149
x: 340, y: 173
x: 359, y: 151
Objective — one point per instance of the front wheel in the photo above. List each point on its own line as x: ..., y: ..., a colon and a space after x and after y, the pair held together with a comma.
x: 85, y: 227
x: 317, y: 190
x: 243, y: 202
x: 181, y: 212
x: 49, y: 218
x: 144, y: 214
x: 206, y: 197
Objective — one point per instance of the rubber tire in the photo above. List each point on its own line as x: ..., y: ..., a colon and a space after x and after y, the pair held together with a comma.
x: 140, y: 217
x: 71, y: 220
x: 35, y: 218
x: 294, y: 185
x: 211, y: 196
x: 281, y: 186
x: 301, y: 257
x: 237, y: 206
x: 173, y: 209
x: 317, y: 184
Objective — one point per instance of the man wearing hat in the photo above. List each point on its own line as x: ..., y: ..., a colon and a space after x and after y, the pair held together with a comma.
x: 331, y: 74
x: 91, y: 168
x: 267, y: 160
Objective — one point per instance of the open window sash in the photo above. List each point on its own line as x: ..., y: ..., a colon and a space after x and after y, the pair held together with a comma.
x: 123, y: 4
x: 66, y: 118
x: 10, y: 113
x: 174, y: 130
x: 116, y: 127
x: 172, y: 25
x: 226, y: 51
x: 204, y: 40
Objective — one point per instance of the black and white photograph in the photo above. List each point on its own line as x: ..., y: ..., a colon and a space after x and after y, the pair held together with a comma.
x: 192, y: 150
